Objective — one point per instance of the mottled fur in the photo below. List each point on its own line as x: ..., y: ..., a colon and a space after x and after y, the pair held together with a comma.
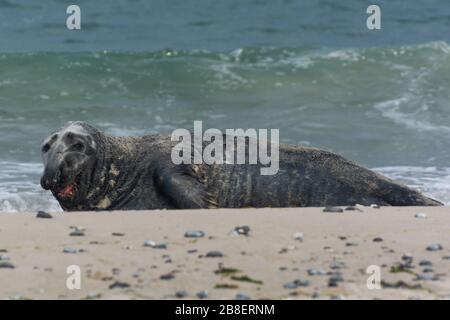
x: 137, y: 173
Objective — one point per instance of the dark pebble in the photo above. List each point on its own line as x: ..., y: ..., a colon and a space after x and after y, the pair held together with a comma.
x: 6, y: 265
x: 242, y: 230
x: 118, y: 234
x: 214, y: 254
x: 333, y: 209
x: 76, y: 233
x: 119, y: 285
x: 377, y: 239
x: 44, y: 215
x: 167, y: 276
x: 181, y: 294
x: 425, y: 263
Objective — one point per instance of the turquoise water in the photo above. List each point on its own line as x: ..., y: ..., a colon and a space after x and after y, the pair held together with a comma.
x: 308, y: 68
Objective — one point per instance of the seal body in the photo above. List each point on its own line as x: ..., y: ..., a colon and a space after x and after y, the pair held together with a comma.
x: 88, y: 170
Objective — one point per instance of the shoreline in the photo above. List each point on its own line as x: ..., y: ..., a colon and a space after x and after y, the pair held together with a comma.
x: 271, y: 262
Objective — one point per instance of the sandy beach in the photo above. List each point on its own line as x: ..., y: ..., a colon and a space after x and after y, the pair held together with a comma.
x: 286, y: 254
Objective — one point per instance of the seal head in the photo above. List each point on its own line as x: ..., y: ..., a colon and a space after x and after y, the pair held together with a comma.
x: 69, y: 159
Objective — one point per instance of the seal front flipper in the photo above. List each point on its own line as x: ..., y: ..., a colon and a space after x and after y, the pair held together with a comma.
x: 182, y: 187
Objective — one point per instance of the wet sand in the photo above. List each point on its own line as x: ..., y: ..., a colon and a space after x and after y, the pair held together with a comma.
x: 295, y: 253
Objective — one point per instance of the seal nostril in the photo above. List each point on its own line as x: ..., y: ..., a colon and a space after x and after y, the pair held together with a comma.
x: 45, y: 148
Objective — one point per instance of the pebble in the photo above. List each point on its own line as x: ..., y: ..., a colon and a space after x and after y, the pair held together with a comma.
x: 242, y: 230
x: 203, y: 294
x: 167, y: 276
x: 44, y: 215
x: 377, y: 239
x: 181, y: 294
x: 119, y: 285
x: 194, y: 234
x: 426, y: 277
x: 427, y: 270
x: 149, y: 243
x: 337, y: 265
x: 242, y: 296
x: 352, y: 208
x: 316, y: 272
x: 77, y: 233
x: 214, y: 254
x: 69, y: 250
x: 446, y: 258
x: 434, y: 247
x: 118, y: 234
x: 4, y: 257
x: 420, y: 215
x: 351, y: 244
x: 333, y: 209
x: 375, y: 206
x: 298, y: 236
x: 6, y: 265
x: 407, y: 258
x: 334, y: 280
x: 297, y: 283
x: 425, y: 263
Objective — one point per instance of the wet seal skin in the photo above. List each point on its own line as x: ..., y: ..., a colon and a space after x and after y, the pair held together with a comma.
x: 86, y: 169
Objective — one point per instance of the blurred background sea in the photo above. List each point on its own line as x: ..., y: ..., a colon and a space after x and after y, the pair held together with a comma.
x: 309, y: 68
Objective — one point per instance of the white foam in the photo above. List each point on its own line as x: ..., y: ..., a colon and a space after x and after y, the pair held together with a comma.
x: 432, y: 181
x: 20, y: 190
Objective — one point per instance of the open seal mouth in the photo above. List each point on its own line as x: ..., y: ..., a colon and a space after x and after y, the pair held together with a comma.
x: 69, y: 190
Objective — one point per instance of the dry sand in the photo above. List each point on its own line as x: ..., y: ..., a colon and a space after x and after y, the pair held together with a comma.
x: 334, y: 244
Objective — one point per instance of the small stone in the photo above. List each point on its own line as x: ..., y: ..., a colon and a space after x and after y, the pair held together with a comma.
x: 44, y: 215
x: 352, y: 208
x: 351, y: 244
x: 181, y: 294
x: 69, y: 250
x: 192, y: 251
x: 290, y: 286
x: 6, y: 265
x: 118, y: 234
x: 167, y: 276
x: 334, y: 280
x: 77, y: 233
x: 194, y: 234
x: 434, y: 247
x: 375, y: 206
x: 160, y: 246
x: 119, y: 285
x: 4, y: 257
x: 335, y: 265
x: 446, y: 258
x: 420, y: 215
x: 302, y: 283
x: 298, y: 236
x: 149, y: 243
x: 425, y: 277
x: 242, y: 230
x: 425, y: 263
x: 214, y: 254
x: 242, y: 296
x: 332, y: 209
x: 428, y: 270
x: 377, y: 239
x: 203, y: 294
x: 316, y: 272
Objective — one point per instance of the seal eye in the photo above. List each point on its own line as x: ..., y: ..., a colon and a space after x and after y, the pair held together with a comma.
x: 78, y: 146
x: 45, y: 148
